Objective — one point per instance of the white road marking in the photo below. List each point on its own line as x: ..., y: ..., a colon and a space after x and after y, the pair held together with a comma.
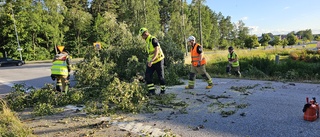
x: 6, y: 83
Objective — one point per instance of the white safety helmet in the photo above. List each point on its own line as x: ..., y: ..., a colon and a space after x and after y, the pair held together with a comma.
x: 191, y: 38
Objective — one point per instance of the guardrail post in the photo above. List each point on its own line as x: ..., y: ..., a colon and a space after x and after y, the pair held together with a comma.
x: 277, y: 59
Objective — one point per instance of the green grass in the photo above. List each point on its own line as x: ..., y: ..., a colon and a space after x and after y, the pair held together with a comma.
x: 260, y: 63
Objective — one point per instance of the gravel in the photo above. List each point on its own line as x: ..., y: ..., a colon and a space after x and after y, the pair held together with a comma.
x: 272, y: 109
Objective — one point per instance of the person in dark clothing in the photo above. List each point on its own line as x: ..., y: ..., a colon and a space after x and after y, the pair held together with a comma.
x: 155, y: 61
x: 233, y: 64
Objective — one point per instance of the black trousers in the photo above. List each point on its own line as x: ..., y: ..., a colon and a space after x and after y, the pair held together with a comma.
x: 159, y: 68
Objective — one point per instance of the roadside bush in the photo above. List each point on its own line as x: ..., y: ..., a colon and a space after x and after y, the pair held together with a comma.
x: 93, y: 73
x: 10, y: 125
x: 265, y: 65
x: 43, y: 100
x: 97, y: 107
x: 127, y: 97
x: 294, y: 56
x: 291, y: 75
x: 255, y: 73
x: 16, y: 99
x: 283, y: 53
x: 111, y: 79
x: 43, y: 95
x: 42, y: 109
x: 118, y: 95
x: 173, y: 74
x: 215, y: 69
x: 73, y: 96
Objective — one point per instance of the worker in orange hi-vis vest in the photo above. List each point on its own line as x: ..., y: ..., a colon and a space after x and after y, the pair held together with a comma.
x: 60, y: 70
x: 198, y: 63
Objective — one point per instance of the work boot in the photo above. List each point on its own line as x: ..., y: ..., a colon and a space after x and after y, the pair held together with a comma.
x: 162, y: 91
x: 209, y: 86
x: 150, y: 93
x: 239, y: 74
x: 189, y: 87
x: 59, y: 88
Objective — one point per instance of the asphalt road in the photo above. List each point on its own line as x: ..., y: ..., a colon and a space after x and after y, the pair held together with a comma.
x: 273, y: 109
x: 35, y: 75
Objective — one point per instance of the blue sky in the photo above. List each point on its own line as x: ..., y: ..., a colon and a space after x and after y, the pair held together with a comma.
x: 275, y: 16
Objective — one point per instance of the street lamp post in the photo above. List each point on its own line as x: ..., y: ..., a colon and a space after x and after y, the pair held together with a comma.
x: 15, y: 29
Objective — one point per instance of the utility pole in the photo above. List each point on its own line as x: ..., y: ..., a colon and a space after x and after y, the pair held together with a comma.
x: 200, y: 26
x: 184, y: 28
x: 15, y: 29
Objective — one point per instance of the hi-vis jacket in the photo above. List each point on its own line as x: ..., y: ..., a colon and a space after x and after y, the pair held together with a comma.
x: 232, y: 57
x: 151, y: 50
x: 60, y: 66
x: 195, y: 56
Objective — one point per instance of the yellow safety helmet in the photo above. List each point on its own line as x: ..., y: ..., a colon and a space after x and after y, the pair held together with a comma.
x: 142, y: 30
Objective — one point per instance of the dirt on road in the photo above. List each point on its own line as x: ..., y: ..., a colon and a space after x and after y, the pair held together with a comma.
x: 232, y: 108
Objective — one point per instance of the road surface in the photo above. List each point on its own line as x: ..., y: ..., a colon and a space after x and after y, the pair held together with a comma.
x: 273, y: 109
x: 36, y: 75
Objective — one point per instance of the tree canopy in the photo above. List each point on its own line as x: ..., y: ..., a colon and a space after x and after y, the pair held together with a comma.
x: 44, y: 24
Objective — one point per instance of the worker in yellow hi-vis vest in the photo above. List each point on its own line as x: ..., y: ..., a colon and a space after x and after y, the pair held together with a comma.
x: 60, y: 70
x: 233, y: 64
x: 155, y: 61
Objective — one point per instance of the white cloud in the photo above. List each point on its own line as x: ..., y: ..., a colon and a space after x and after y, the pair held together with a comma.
x: 253, y: 29
x: 257, y: 31
x: 244, y: 18
x: 285, y: 8
x: 315, y: 31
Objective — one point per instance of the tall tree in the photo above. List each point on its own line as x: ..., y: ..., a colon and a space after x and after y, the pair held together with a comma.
x: 242, y: 32
x: 284, y: 43
x: 35, y: 43
x: 292, y: 39
x: 265, y: 39
x: 102, y: 6
x: 140, y: 13
x: 79, y: 23
x: 53, y: 27
x: 226, y: 28
x: 8, y: 39
x: 78, y: 4
x: 108, y: 31
x: 213, y: 39
x: 307, y: 35
x: 203, y: 34
x: 166, y: 9
x: 251, y: 41
x: 177, y: 26
x: 206, y: 20
x: 276, y: 41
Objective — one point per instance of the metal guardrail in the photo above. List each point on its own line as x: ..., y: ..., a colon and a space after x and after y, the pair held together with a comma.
x: 75, y: 60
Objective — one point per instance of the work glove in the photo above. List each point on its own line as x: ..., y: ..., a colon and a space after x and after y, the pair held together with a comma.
x: 53, y: 77
x: 68, y: 78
